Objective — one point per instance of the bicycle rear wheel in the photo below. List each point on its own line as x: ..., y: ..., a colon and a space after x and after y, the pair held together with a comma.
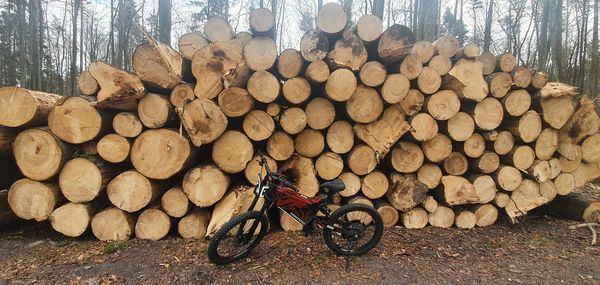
x: 357, y: 228
x: 231, y: 244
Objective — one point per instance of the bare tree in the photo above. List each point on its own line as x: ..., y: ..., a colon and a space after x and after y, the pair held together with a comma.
x: 487, y: 36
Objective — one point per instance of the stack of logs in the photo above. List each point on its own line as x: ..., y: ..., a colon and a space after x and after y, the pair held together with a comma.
x: 426, y: 132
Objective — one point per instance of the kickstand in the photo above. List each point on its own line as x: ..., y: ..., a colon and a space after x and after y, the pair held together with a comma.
x: 348, y: 256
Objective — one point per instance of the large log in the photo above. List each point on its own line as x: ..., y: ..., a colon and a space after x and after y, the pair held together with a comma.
x: 429, y: 81
x: 466, y: 80
x: 405, y: 191
x: 508, y: 178
x: 33, y: 200
x: 521, y: 77
x: 547, y: 143
x: 423, y: 127
x: 340, y: 137
x: 253, y: 168
x: 235, y: 102
x: 127, y: 125
x: 591, y: 148
x: 374, y: 185
x: 320, y: 113
x: 442, y: 105
x: 260, y: 53
x: 232, y: 151
x: 329, y: 165
x: 40, y: 154
x: 303, y: 174
x: 114, y: 148
x: 309, y: 143
x: 389, y: 214
x: 118, y: 88
x: 162, y: 153
x: 517, y: 102
x: 506, y: 62
x: 369, y: 28
x: 503, y: 141
x: 538, y: 79
x: 465, y: 219
x: 442, y: 217
x: 262, y: 22
x: 365, y: 105
x: 293, y: 120
x: 487, y: 163
x: 456, y: 164
x: 113, y: 224
x: 520, y: 157
x: 264, y: 87
x: 576, y: 206
x: 87, y: 83
x: 447, y: 46
x: 524, y: 199
x: 352, y: 182
x: 373, y: 74
x: 158, y: 65
x: 527, y: 128
x: 296, y: 90
x: 152, y: 224
x: 499, y: 83
x: 362, y: 159
x: 486, y: 215
x: 348, y: 52
x: 258, y: 125
x: 441, y: 64
x: 488, y: 61
x: 156, y: 111
x: 280, y: 146
x: 72, y: 219
x: 395, y: 43
x: 412, y: 102
x: 584, y: 122
x: 488, y: 114
x: 131, y: 191
x: 174, y: 202
x: 317, y: 71
x: 82, y: 180
x: 340, y: 85
x: 485, y: 188
x: 216, y: 66
x: 438, y: 148
x: 205, y: 185
x: 203, y: 121
x: 429, y: 174
x: 194, y: 224
x: 407, y: 157
x: 474, y: 146
x: 556, y: 111
x: 332, y: 18
x: 416, y: 218
x: 76, y: 121
x: 290, y: 63
x: 411, y: 66
x: 424, y: 50
x: 395, y: 88
x: 460, y: 127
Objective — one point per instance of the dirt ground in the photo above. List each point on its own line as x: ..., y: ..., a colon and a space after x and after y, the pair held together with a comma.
x: 541, y: 250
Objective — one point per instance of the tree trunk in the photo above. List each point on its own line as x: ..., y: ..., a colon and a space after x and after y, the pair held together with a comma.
x: 500, y: 83
x: 389, y: 214
x: 152, y: 224
x: 438, y: 148
x: 72, y: 219
x: 441, y: 63
x: 395, y: 43
x: 429, y: 174
x: 382, y: 134
x: 194, y: 224
x: 309, y: 143
x: 341, y: 85
x: 82, y: 180
x: 317, y: 71
x: 87, y: 83
x: 465, y: 219
x: 442, y: 105
x: 416, y: 218
x: 46, y: 197
x: 348, y: 52
x: 330, y: 165
x: 527, y: 128
x: 369, y: 28
x: 442, y: 217
x: 33, y: 107
x: 113, y: 224
x: 365, y: 105
x: 466, y: 80
x: 114, y: 148
x: 296, y: 90
x: 189, y: 43
x: 260, y: 53
x: 331, y: 19
x: 395, y: 88
x: 340, y: 137
x: 429, y: 81
x: 39, y: 154
x: 131, y: 191
x: 424, y: 50
x: 235, y: 102
x: 253, y: 169
x: 460, y: 127
x: 314, y: 46
x: 258, y: 125
x: 232, y: 151
x: 424, y: 127
x: 374, y: 185
x: 280, y: 146
x: 517, y: 102
x: 290, y: 63
x: 488, y: 61
x: 320, y: 113
x: 411, y: 66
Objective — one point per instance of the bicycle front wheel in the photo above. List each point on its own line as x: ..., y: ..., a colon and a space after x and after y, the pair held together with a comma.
x: 357, y: 228
x: 237, y: 238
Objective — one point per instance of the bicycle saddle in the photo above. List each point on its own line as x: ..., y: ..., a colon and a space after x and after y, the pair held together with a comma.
x: 334, y: 185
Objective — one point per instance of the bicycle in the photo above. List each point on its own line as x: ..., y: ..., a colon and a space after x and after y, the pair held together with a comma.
x: 343, y: 229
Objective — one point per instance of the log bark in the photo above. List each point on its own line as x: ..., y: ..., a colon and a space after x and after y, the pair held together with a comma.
x: 127, y: 125
x: 395, y: 43
x: 121, y: 94
x: 521, y: 77
x: 203, y: 121
x: 341, y: 85
x: 396, y: 88
x: 424, y: 50
x: 131, y: 191
x: 205, y: 185
x: 39, y: 154
x: 429, y: 174
x: 438, y: 148
x: 442, y: 217
x: 466, y: 80
x: 456, y: 190
x: 194, y: 224
x: 508, y: 178
x: 348, y: 52
x: 113, y: 224
x: 72, y: 219
x: 302, y: 174
x: 340, y: 137
x: 290, y: 63
x: 389, y: 214
x: 162, y: 153
x: 527, y: 128
x: 442, y: 105
x: 577, y: 207
x: 506, y: 62
x: 369, y: 28
x: 330, y: 165
x: 365, y: 105
x: 232, y: 151
x: 217, y: 29
x: 320, y: 113
x: 309, y: 143
x: 423, y: 127
x: 114, y: 148
x: 373, y: 74
x: 152, y: 224
x: 82, y: 180
x: 260, y: 53
x: 499, y: 83
x: 314, y: 45
x: 76, y: 121
x: 416, y: 218
x: 174, y: 202
x: 405, y: 191
x: 87, y: 83
x: 411, y: 66
x: 441, y: 64
x: 429, y: 81
x: 280, y: 146
x: 258, y: 125
x: 158, y: 65
x: 406, y: 157
x: 317, y: 71
x: 374, y: 185
x: 488, y: 61
x: 296, y: 90
x: 362, y: 159
x: 33, y: 200
x: 352, y: 182
x: 456, y: 164
x: 264, y: 87
x: 156, y: 111
x: 189, y: 43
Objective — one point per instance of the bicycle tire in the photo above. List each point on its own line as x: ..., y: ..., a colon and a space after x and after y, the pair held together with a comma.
x: 378, y: 222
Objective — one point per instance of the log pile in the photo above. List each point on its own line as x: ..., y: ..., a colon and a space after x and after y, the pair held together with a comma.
x: 427, y: 132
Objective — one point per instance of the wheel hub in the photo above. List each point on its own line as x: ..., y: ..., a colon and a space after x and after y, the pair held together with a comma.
x: 353, y: 231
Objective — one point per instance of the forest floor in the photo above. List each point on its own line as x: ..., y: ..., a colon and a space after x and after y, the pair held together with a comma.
x: 540, y: 250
